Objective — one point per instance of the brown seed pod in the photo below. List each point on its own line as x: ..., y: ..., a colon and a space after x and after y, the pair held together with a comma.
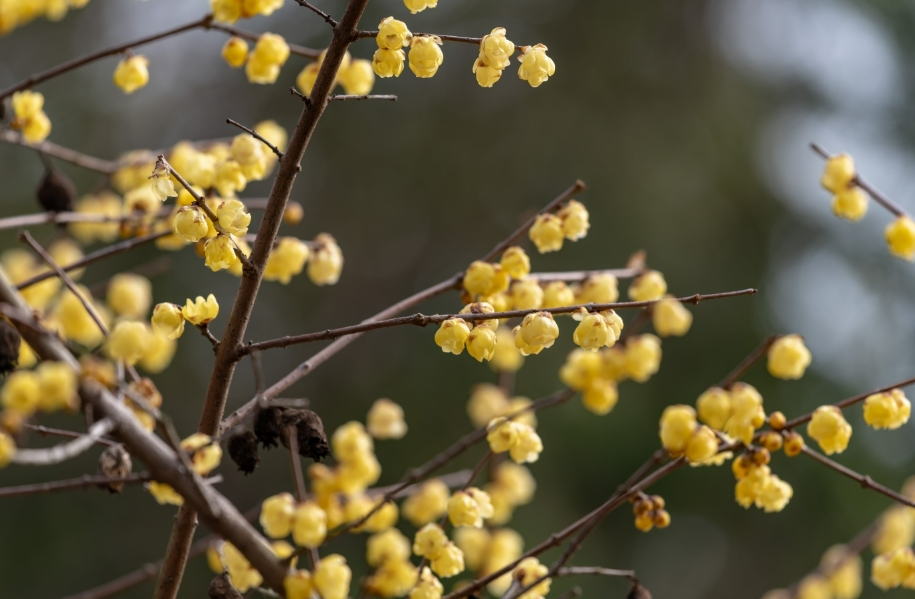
x: 10, y: 340
x: 221, y: 588
x: 242, y: 448
x: 638, y: 592
x: 310, y: 433
x: 56, y: 192
x: 268, y: 426
x: 116, y: 463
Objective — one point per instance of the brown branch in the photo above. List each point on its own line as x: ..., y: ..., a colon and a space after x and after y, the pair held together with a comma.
x: 228, y: 354
x: 575, y: 276
x: 330, y: 20
x: 257, y: 136
x: 66, y: 154
x: 45, y: 431
x: 65, y: 451
x: 253, y: 37
x: 205, y: 331
x: 454, y: 480
x: 864, y: 480
x: 96, y: 256
x: 741, y: 369
x: 112, y: 51
x: 83, y: 482
x: 595, y: 571
x: 872, y: 191
x: 344, y: 97
x: 423, y: 320
x: 796, y: 422
x: 27, y: 238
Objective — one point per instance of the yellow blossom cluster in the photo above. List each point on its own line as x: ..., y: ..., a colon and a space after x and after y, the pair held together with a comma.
x: 416, y: 6
x: 17, y: 13
x: 204, y: 453
x: 850, y: 202
x: 512, y: 486
x: 737, y: 411
x: 229, y: 11
x: 487, y: 551
x: 392, y: 37
x: 385, y: 420
x: 756, y: 485
x: 225, y: 557
x: 428, y: 503
x: 389, y: 553
x: 29, y: 116
x: 887, y: 410
x: 520, y: 440
x: 649, y: 512
x: 550, y: 230
x: 269, y: 55
x: 306, y: 522
x: 131, y: 73
x: 431, y: 542
x: 597, y: 374
x: 355, y: 75
x: 894, y: 569
x: 829, y: 429
x: 681, y: 434
x: 788, y: 357
x: 495, y: 55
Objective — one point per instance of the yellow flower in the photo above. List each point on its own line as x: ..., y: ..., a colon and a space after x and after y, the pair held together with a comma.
x: 350, y: 441
x: 536, y: 67
x: 388, y: 63
x: 648, y: 286
x: 390, y: 545
x: 643, y: 357
x: 427, y: 503
x: 504, y: 548
x: 233, y: 217
x: 26, y: 104
x: 57, y: 382
x: 103, y: 204
x: 269, y: 55
x: 452, y: 335
x: 600, y: 396
x: 714, y: 407
x: 75, y: 321
x: 164, y: 494
x: 850, y: 204
x: 546, y: 233
x: 678, y: 423
x: 275, y: 134
x: 486, y: 402
x: 235, y: 52
x: 205, y: 452
x: 7, y: 449
x: 130, y: 295
x: 286, y: 260
x: 242, y: 574
x: 900, y: 236
x: 527, y: 447
x: 425, y: 55
x: 21, y: 392
x: 486, y: 75
x: 516, y: 262
x: 327, y: 261
x: 788, y: 357
x: 228, y: 178
x: 506, y: 356
x: 226, y: 11
x: 558, y: 294
x: 415, y: 6
x: 309, y: 524
x: 474, y: 544
x: 393, y: 578
x: 468, y: 508
x: 298, y: 585
x: 538, y: 330
x: 526, y: 295
x: 385, y: 420
x: 132, y: 73
x: 392, y: 34
x: 481, y: 343
x: 428, y: 586
x: 575, y: 220
x: 429, y: 541
x: 219, y: 252
x: 162, y: 186
x: 483, y: 278
x: 450, y: 562
x: 896, y: 528
x: 276, y: 515
x: 201, y: 311
x: 496, y: 49
x: 502, y: 434
x: 191, y: 224
x: 838, y: 173
x: 357, y: 78
x: 830, y: 429
x: 888, y: 410
x: 702, y: 446
x: 593, y: 332
x: 129, y: 341
x: 529, y: 571
x: 516, y: 481
x: 892, y: 569
x: 844, y: 572
x: 670, y: 317
x: 598, y: 289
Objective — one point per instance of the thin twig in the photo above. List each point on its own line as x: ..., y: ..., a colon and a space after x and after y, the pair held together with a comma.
x: 96, y: 256
x: 872, y: 191
x: 741, y: 369
x: 59, y: 218
x: 864, y: 480
x: 112, y: 51
x: 257, y: 136
x: 292, y: 437
x: 205, y: 331
x: 253, y: 37
x: 595, y: 571
x: 454, y: 480
x: 27, y: 238
x: 64, y: 451
x: 344, y: 97
x: 423, y: 320
x: 85, y: 161
x: 318, y: 11
x: 83, y: 482
x: 575, y: 276
x: 45, y: 431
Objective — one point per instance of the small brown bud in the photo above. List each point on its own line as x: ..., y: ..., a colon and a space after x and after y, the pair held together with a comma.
x: 771, y: 440
x: 293, y: 213
x: 56, y: 192
x: 794, y: 444
x: 114, y: 462
x: 761, y: 456
x: 777, y: 421
x: 310, y: 433
x: 268, y: 426
x: 662, y: 518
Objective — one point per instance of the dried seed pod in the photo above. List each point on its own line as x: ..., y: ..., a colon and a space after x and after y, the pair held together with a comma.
x: 310, y: 433
x: 638, y: 592
x: 56, y: 193
x: 268, y: 426
x: 221, y: 588
x: 116, y: 463
x: 242, y: 447
x: 10, y: 340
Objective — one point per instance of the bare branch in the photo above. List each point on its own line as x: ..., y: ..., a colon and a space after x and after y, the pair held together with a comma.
x: 423, y: 320
x: 342, y: 97
x: 318, y: 11
x: 65, y: 451
x: 257, y: 136
x: 66, y: 154
x: 864, y: 480
x: 60, y: 218
x: 45, y: 431
x: 595, y: 571
x: 741, y: 369
x: 83, y: 482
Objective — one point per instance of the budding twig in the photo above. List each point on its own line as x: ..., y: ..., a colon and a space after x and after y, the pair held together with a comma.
x: 423, y: 320
x: 864, y: 480
x: 82, y: 482
x: 27, y: 238
x: 872, y: 191
x: 257, y: 136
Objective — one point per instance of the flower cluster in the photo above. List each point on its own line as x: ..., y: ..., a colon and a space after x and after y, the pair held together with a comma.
x: 355, y: 75
x: 550, y: 230
x: 756, y: 485
x: 738, y: 411
x: 229, y: 11
x: 649, y: 512
x: 17, y: 14
x: 28, y: 110
x: 681, y: 434
x: 487, y: 551
x: 495, y: 55
x: 887, y: 410
x: 829, y: 429
x: 431, y: 542
x: 520, y: 440
x: 392, y: 37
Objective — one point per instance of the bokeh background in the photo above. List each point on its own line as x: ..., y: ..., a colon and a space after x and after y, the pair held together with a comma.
x: 688, y: 120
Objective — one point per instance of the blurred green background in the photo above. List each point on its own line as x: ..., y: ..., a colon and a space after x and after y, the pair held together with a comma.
x: 688, y: 120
